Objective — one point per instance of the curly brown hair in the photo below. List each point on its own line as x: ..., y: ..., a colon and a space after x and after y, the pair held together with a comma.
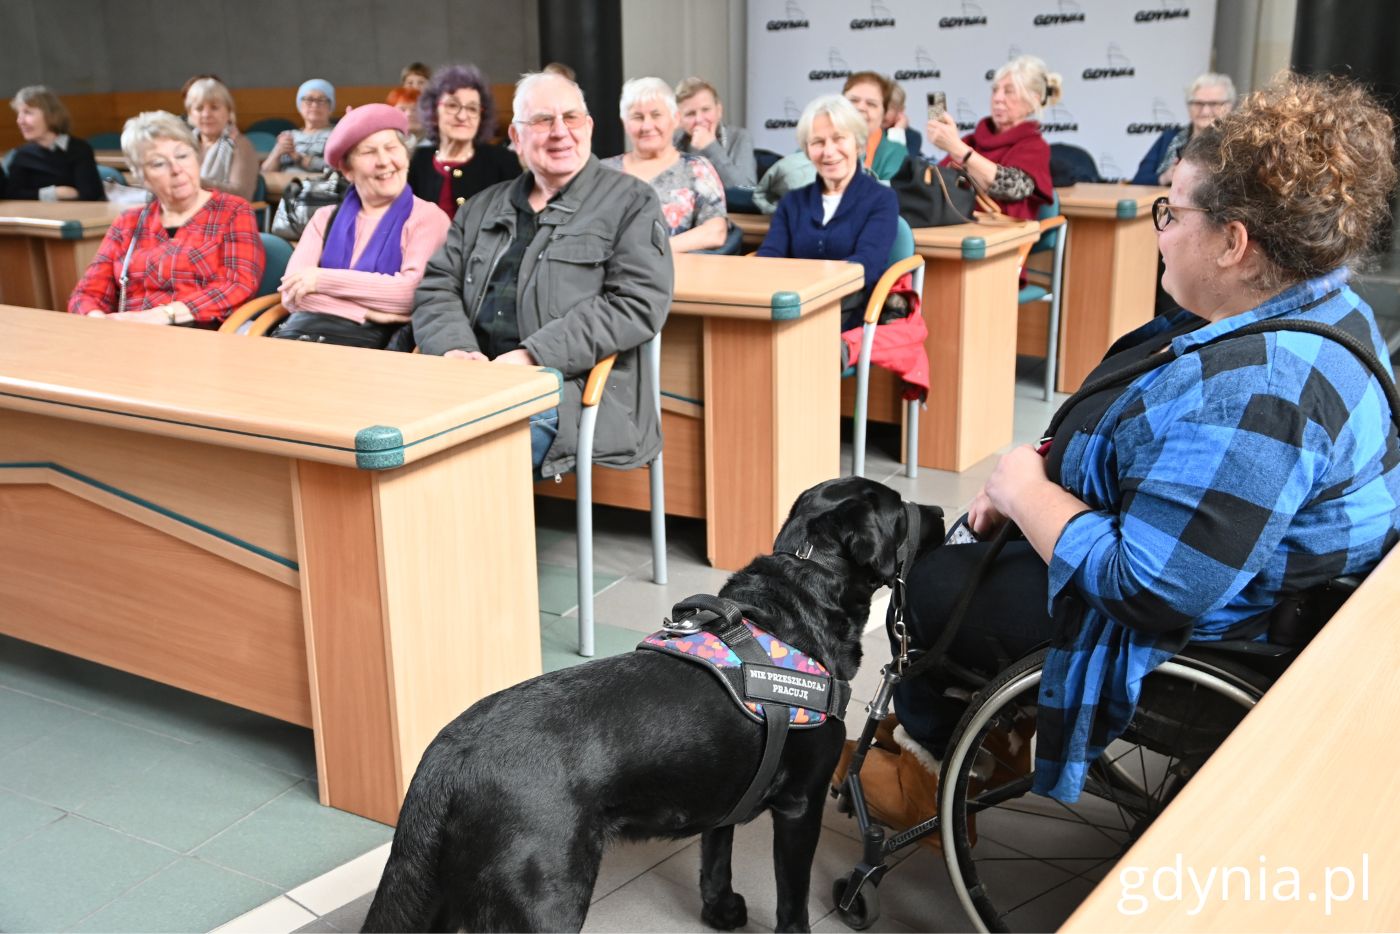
x: 1307, y: 165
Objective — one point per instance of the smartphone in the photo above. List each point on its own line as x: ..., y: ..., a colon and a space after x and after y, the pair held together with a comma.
x: 961, y: 533
x: 937, y: 105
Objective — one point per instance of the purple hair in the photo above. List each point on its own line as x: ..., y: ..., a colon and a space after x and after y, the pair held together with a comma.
x: 448, y: 81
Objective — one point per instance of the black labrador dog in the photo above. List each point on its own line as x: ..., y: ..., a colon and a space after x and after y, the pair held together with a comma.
x: 507, y: 817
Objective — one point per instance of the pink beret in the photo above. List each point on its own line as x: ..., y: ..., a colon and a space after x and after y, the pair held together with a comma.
x: 358, y: 123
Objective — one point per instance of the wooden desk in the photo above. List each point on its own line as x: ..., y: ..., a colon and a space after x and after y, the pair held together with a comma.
x: 46, y: 245
x: 969, y: 302
x: 290, y: 528
x: 751, y: 397
x: 1306, y: 781
x: 1110, y: 272
x: 113, y: 158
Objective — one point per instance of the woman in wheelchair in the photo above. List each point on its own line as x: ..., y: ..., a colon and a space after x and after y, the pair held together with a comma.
x: 1217, y: 461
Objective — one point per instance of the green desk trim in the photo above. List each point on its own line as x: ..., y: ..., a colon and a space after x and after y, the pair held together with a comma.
x: 786, y: 306
x: 1127, y: 209
x: 153, y: 507
x: 974, y: 248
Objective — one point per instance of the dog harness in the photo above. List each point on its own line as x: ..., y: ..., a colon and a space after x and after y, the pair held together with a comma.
x: 762, y: 674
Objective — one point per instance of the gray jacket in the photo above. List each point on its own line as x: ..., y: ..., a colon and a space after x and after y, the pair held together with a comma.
x: 731, y: 154
x: 597, y: 279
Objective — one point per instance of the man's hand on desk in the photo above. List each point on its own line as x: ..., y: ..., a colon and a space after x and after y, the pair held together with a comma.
x: 517, y: 357
x: 468, y: 355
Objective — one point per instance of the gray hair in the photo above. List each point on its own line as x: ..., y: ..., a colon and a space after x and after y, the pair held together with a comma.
x: 646, y: 89
x: 46, y: 102
x: 1036, y: 85
x: 526, y: 86
x: 142, y: 130
x: 1213, y: 79
x: 842, y: 114
x: 209, y: 89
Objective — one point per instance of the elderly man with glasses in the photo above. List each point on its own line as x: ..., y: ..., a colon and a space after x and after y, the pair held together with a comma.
x: 561, y: 267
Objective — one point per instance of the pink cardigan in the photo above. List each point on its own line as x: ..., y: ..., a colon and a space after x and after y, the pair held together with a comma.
x: 372, y: 296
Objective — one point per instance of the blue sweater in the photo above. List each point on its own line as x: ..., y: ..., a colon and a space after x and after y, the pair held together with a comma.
x: 1147, y: 169
x: 861, y: 231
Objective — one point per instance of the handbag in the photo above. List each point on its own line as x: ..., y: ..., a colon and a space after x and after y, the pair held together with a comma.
x: 932, y: 195
x: 302, y: 198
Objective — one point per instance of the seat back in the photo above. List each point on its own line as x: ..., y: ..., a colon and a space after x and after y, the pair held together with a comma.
x: 1051, y: 238
x: 903, y: 248
x: 279, y: 253
x: 764, y: 159
x: 262, y: 142
x: 273, y: 125
x: 1070, y: 164
x: 105, y: 141
x: 105, y: 172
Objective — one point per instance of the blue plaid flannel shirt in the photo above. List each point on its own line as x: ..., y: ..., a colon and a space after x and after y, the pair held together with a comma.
x: 1261, y: 465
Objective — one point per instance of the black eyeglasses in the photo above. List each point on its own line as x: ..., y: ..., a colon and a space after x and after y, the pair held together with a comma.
x: 1162, y: 212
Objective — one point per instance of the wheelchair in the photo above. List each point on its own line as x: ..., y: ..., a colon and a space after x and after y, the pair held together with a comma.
x: 1019, y: 861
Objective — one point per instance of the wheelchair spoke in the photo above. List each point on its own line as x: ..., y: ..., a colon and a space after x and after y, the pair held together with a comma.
x: 1081, y: 876
x: 1082, y: 821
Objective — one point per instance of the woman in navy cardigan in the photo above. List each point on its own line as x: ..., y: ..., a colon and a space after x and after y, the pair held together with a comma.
x: 845, y: 214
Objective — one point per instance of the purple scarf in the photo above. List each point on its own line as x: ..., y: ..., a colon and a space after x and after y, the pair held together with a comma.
x: 384, y: 252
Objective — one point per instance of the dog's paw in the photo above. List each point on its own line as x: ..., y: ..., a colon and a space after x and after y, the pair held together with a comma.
x: 726, y: 913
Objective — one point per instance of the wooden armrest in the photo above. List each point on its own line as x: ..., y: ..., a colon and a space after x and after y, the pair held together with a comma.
x: 1023, y: 253
x: 267, y: 319
x: 597, y: 379
x: 885, y: 283
x: 249, y: 310
x: 1050, y: 223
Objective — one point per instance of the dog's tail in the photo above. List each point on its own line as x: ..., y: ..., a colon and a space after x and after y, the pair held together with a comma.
x: 410, y: 896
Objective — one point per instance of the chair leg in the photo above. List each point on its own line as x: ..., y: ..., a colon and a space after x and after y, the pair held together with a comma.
x: 583, y: 505
x: 867, y: 341
x: 911, y: 438
x: 658, y: 521
x: 1052, y: 353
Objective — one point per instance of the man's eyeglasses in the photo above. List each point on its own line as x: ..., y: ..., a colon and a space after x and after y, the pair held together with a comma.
x: 573, y: 119
x: 1162, y: 212
x: 453, y: 108
x: 1207, y: 105
x: 316, y: 101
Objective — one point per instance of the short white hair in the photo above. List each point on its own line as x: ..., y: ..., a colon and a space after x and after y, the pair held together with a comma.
x: 1036, y: 85
x: 1212, y: 79
x: 526, y: 86
x: 646, y: 89
x: 206, y: 89
x: 142, y: 131
x: 842, y: 114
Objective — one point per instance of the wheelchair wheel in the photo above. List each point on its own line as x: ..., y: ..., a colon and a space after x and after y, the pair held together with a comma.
x: 865, y: 908
x: 1019, y: 861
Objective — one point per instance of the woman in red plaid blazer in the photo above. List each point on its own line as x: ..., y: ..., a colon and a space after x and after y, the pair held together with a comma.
x: 191, y: 256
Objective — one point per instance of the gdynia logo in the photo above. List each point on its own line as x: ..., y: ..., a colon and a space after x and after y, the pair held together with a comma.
x: 972, y: 16
x: 794, y: 18
x: 1118, y: 66
x: 1156, y: 16
x: 924, y: 67
x: 1058, y: 120
x: 880, y: 18
x: 1163, y: 119
x: 1069, y: 13
x: 789, y: 118
x: 837, y: 68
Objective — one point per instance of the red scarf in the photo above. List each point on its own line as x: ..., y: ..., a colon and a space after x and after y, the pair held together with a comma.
x: 1020, y: 147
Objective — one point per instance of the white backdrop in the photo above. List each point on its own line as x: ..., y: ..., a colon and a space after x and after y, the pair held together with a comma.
x: 1125, y: 63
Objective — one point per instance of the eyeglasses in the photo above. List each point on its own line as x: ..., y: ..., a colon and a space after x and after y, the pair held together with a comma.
x: 161, y: 166
x: 1207, y: 105
x: 453, y: 108
x: 1162, y: 212
x: 316, y: 101
x: 573, y: 119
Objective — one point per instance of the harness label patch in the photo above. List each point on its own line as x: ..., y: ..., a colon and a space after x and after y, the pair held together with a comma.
x: 784, y: 686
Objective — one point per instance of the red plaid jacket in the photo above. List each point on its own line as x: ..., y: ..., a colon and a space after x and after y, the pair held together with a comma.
x: 213, y: 263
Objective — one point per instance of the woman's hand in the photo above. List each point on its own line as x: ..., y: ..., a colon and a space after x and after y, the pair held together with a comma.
x: 467, y: 355
x: 983, y: 518
x: 943, y: 133
x: 702, y: 136
x: 155, y: 315
x: 1016, y: 478
x: 284, y: 146
x: 297, y: 285
x: 517, y: 357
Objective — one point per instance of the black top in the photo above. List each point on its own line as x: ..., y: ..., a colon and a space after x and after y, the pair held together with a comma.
x: 489, y: 165
x: 34, y: 167
x: 497, y: 325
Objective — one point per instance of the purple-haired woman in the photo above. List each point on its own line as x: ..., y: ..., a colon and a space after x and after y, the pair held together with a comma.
x: 459, y: 117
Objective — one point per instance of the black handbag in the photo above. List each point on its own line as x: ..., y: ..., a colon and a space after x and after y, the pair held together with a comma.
x: 302, y: 198
x: 933, y: 196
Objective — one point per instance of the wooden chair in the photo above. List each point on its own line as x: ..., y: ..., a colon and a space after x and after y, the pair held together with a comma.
x: 254, y: 318
x: 903, y: 260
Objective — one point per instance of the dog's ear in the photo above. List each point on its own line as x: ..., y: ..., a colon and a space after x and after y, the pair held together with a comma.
x: 868, y: 534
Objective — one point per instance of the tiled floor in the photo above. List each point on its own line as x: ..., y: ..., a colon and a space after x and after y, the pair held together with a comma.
x: 126, y: 805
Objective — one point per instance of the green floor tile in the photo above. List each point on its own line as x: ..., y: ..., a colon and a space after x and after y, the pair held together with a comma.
x: 189, y: 797
x: 559, y: 587
x: 24, y: 718
x: 20, y: 817
x: 559, y: 642
x: 294, y: 839
x: 68, y: 870
x: 545, y: 538
x: 87, y: 757
x: 188, y: 895
x: 54, y: 676
x: 274, y: 743
x: 167, y: 710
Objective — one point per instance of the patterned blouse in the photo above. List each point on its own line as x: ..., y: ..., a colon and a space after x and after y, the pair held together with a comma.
x: 690, y: 191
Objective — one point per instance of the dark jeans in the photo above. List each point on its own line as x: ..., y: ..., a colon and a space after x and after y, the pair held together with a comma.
x: 1006, y: 620
x: 332, y: 329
